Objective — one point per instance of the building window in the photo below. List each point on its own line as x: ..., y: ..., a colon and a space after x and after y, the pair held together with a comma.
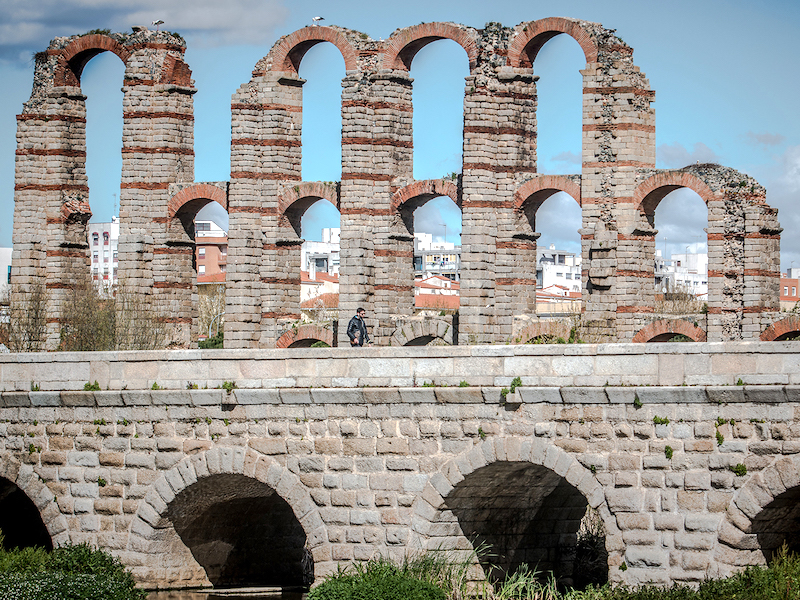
x: 559, y: 275
x: 569, y: 275
x: 115, y: 255
x: 95, y: 256
x: 222, y: 268
x: 201, y: 252
x: 201, y: 270
x: 794, y: 291
x: 105, y: 238
x: 223, y: 250
x: 205, y: 226
x: 786, y: 290
x: 95, y: 239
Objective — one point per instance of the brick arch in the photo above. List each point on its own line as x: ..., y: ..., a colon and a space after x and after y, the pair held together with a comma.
x: 530, y: 39
x: 41, y: 496
x: 305, y: 332
x: 737, y: 544
x: 198, y: 191
x: 289, y: 51
x: 249, y: 462
x: 781, y: 328
x: 74, y: 56
x: 424, y: 328
x: 424, y: 190
x: 308, y: 190
x: 539, y: 189
x: 508, y: 449
x: 404, y: 44
x: 652, y: 191
x: 676, y: 326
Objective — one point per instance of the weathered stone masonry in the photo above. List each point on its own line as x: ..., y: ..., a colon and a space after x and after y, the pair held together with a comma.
x: 498, y: 191
x: 320, y: 468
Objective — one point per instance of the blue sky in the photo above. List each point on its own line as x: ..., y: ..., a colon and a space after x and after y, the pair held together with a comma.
x: 725, y: 75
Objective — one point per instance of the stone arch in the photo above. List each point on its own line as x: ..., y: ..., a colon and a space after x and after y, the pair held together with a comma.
x: 423, y: 331
x: 41, y: 497
x: 533, y: 35
x: 435, y: 524
x: 664, y: 327
x: 652, y: 191
x: 404, y: 44
x: 295, y: 200
x: 312, y: 333
x: 539, y: 189
x: 198, y: 191
x: 150, y: 528
x: 780, y: 330
x: 407, y: 199
x: 75, y: 55
x: 758, y: 518
x: 288, y: 52
x: 542, y: 329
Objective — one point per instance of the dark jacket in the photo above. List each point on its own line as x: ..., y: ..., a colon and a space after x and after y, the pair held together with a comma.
x: 357, y: 330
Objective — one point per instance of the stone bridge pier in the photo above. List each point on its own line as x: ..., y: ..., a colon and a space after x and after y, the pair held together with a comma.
x: 687, y: 452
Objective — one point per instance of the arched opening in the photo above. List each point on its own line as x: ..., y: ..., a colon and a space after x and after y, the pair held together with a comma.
x: 681, y: 249
x: 241, y: 532
x: 558, y: 253
x: 323, y: 68
x: 559, y: 107
x: 20, y: 521
x: 437, y: 238
x: 778, y: 523
x: 525, y: 514
x: 197, y: 241
x: 100, y: 82
x: 438, y: 69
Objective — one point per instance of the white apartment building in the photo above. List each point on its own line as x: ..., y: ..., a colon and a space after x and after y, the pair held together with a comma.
x: 436, y: 258
x: 558, y: 267
x: 682, y: 272
x: 322, y: 256
x: 103, y: 239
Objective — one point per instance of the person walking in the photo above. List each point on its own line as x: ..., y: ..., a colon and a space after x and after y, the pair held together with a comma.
x: 357, y: 329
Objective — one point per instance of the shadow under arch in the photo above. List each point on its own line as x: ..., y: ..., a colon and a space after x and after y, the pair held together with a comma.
x: 424, y: 332
x: 304, y: 336
x: 524, y: 498
x: 29, y: 515
x: 235, y: 514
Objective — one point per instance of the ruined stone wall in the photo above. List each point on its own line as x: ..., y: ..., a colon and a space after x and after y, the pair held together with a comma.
x: 499, y: 189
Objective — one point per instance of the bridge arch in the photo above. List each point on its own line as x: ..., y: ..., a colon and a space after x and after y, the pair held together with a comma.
x: 663, y: 329
x: 539, y: 189
x: 543, y: 486
x: 782, y: 330
x: 545, y: 330
x: 295, y: 200
x: 198, y: 191
x: 303, y: 336
x: 75, y: 56
x: 423, y: 332
x: 29, y: 516
x: 404, y: 44
x: 763, y: 514
x: 653, y: 190
x: 187, y: 509
x: 288, y: 52
x: 529, y: 41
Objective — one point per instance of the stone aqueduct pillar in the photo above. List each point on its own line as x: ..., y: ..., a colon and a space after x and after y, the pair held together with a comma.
x: 51, y: 190
x: 499, y: 190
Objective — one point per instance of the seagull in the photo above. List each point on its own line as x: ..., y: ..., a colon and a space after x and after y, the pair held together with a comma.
x: 317, y: 20
x: 157, y: 23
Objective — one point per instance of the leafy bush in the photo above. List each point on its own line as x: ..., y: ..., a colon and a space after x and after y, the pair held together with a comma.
x: 67, y: 573
x: 378, y: 579
x: 212, y: 342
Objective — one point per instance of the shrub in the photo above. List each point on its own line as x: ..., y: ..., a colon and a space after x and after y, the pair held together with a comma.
x: 378, y: 579
x: 212, y: 342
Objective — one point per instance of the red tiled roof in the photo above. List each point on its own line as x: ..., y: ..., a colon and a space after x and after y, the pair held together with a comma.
x: 438, y: 301
x: 319, y: 277
x: 330, y: 300
x: 213, y: 278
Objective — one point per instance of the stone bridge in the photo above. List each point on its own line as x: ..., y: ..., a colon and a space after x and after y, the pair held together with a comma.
x: 689, y: 453
x: 499, y: 189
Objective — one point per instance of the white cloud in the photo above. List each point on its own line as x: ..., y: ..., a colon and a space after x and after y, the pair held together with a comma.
x: 27, y: 26
x: 765, y: 139
x: 783, y: 193
x: 676, y: 156
x: 568, y: 157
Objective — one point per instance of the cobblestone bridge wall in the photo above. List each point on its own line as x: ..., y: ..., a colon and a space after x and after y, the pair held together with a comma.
x: 333, y: 457
x: 498, y: 190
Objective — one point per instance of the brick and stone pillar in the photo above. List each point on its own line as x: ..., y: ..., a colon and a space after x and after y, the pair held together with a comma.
x: 157, y: 151
x: 265, y: 155
x: 376, y: 269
